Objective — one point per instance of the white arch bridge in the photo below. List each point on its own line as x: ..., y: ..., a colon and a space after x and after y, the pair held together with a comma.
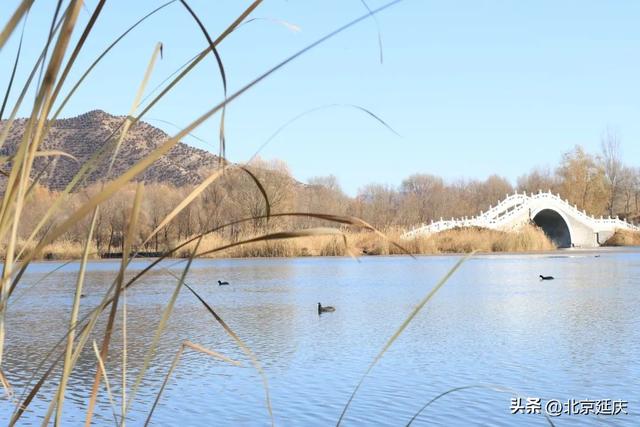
x: 566, y: 225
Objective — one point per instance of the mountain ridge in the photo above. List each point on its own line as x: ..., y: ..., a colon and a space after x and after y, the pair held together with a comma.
x: 83, y: 135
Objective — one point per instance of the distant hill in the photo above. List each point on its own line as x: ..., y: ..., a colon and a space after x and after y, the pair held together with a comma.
x: 83, y: 135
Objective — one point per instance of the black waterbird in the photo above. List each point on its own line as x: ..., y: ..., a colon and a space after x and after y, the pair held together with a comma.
x: 327, y: 309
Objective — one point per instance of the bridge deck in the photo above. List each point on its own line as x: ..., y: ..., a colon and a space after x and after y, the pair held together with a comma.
x: 520, y: 208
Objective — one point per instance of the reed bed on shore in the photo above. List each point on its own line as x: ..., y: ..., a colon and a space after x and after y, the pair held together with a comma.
x: 462, y: 240
x: 59, y: 250
x: 361, y: 243
x: 624, y: 238
x: 457, y: 241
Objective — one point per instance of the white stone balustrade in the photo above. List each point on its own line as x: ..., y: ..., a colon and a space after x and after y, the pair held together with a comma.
x: 519, y: 209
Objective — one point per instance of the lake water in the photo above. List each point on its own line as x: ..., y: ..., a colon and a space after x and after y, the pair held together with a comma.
x: 494, y: 323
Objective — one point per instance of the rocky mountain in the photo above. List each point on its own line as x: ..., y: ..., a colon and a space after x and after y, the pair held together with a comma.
x: 83, y: 135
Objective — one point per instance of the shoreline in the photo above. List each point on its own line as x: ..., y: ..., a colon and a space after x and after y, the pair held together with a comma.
x: 560, y: 253
x: 455, y: 242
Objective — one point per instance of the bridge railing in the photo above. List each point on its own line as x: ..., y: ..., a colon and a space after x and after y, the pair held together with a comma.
x: 582, y: 214
x: 499, y: 216
x: 509, y: 202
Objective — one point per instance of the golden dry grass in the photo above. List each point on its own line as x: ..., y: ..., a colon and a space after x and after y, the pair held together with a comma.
x: 467, y: 240
x: 299, y: 247
x: 58, y: 250
x: 461, y: 240
x: 623, y: 238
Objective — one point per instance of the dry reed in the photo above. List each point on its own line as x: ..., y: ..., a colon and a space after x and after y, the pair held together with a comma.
x: 623, y: 238
x: 460, y: 240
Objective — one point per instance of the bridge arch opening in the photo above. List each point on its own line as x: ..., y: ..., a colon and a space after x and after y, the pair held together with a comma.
x: 554, y: 226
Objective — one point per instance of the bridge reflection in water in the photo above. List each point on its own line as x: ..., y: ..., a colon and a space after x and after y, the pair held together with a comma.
x: 565, y: 224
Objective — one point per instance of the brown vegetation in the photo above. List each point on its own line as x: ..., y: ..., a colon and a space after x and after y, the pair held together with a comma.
x: 623, y: 238
x: 460, y: 240
x: 421, y: 198
x: 463, y: 240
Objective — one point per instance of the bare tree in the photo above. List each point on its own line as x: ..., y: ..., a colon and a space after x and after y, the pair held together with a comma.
x: 323, y: 194
x: 636, y: 189
x: 627, y: 188
x: 611, y: 163
x: 378, y: 204
x: 582, y: 181
x: 538, y: 179
x: 422, y: 199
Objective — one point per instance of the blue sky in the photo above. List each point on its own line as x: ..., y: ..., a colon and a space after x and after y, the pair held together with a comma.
x: 473, y: 87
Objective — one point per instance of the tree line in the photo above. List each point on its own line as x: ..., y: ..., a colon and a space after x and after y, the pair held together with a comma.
x: 599, y: 183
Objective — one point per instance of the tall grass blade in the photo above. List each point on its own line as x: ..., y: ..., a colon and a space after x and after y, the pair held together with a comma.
x: 8, y: 389
x: 261, y: 189
x: 214, y: 354
x: 32, y: 394
x: 8, y: 124
x: 286, y: 24
x: 134, y: 106
x: 15, y: 66
x: 183, y: 204
x: 201, y: 56
x: 160, y: 329
x: 375, y: 20
x: 401, y: 329
x: 104, y: 351
x: 78, y: 48
x: 223, y: 75
x: 192, y: 135
x: 166, y: 79
x: 40, y: 280
x: 103, y: 371
x: 46, y: 153
x: 91, y: 319
x: 313, y: 110
x: 289, y: 25
x: 11, y: 25
x: 196, y: 192
x: 25, y: 160
x: 172, y: 367
x: 103, y: 54
x: 66, y: 371
x: 51, y: 34
x: 245, y: 348
x: 123, y: 404
x: 492, y: 387
x: 73, y: 56
x: 174, y: 363
x: 56, y: 25
x: 86, y: 167
x: 15, y: 191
